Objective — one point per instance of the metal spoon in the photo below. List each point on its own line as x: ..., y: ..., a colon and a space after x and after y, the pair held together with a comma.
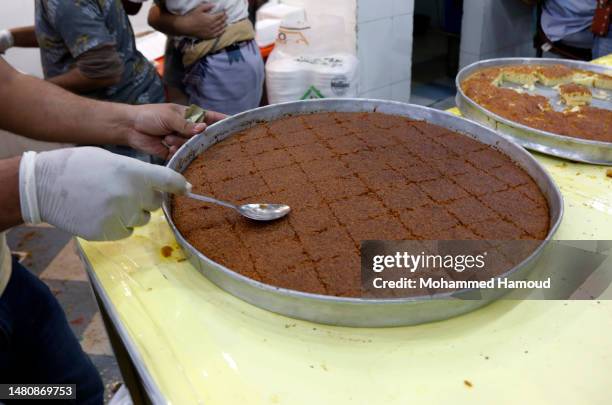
x: 257, y: 212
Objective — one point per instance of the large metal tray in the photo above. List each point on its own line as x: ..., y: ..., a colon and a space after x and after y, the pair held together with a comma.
x: 354, y: 311
x: 576, y: 149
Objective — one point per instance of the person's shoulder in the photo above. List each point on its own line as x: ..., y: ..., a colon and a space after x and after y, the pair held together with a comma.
x: 63, y: 4
x: 58, y: 8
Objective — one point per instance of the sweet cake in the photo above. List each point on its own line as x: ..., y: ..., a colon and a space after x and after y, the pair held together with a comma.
x: 578, y: 119
x: 350, y: 177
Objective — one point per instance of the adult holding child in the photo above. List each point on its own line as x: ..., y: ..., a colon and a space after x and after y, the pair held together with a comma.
x: 212, y: 55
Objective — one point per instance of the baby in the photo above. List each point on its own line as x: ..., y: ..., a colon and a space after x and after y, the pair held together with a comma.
x: 225, y: 73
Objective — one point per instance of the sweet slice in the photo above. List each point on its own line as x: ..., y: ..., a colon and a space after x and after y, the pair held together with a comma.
x: 522, y: 106
x: 603, y: 81
x: 584, y: 78
x: 522, y: 74
x: 574, y: 94
x: 497, y: 77
x: 554, y: 75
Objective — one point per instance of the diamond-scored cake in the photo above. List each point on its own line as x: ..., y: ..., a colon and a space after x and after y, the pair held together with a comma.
x: 350, y: 177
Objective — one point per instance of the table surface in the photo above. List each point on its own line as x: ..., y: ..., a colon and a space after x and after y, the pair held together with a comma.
x: 194, y: 343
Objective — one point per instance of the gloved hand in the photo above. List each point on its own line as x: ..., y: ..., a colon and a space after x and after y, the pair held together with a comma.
x: 92, y: 193
x: 6, y: 40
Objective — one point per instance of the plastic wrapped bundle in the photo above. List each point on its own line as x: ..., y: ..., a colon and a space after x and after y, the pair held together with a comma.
x: 305, y: 77
x: 312, y: 61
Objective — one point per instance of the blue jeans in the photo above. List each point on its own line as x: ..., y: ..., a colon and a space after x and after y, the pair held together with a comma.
x: 36, y: 342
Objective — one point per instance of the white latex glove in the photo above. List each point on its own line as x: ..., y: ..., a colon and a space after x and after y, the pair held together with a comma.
x: 92, y: 193
x: 6, y: 40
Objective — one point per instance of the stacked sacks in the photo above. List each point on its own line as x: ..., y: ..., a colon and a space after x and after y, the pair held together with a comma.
x: 306, y: 77
x: 311, y: 62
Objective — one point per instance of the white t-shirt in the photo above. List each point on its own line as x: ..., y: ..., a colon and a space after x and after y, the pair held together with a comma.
x: 236, y: 10
x: 5, y: 263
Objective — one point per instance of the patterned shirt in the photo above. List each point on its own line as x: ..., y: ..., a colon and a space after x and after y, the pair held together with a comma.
x: 65, y: 29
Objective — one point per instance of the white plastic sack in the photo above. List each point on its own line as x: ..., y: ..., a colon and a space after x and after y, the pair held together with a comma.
x: 311, y: 62
x: 266, y: 32
x: 289, y: 15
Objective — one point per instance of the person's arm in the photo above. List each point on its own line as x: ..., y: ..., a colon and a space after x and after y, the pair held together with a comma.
x: 40, y: 110
x: 96, y: 68
x: 199, y: 22
x: 55, y: 115
x: 24, y: 37
x: 43, y: 111
x: 21, y: 37
x: 74, y: 80
x: 10, y: 212
x: 87, y: 191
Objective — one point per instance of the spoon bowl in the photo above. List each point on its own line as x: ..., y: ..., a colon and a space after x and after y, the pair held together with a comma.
x: 256, y: 212
x: 264, y: 212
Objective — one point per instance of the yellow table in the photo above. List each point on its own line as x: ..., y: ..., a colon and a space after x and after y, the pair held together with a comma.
x: 193, y: 343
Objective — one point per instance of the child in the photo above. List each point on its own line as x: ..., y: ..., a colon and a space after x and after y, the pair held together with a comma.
x: 225, y: 73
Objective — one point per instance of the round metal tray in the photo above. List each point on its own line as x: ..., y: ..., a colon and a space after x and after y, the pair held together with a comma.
x: 357, y: 312
x: 567, y: 147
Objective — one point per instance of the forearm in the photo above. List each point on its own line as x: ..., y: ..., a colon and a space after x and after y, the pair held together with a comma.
x: 200, y: 22
x: 165, y: 22
x: 24, y: 37
x: 10, y: 211
x: 74, y: 80
x: 55, y: 115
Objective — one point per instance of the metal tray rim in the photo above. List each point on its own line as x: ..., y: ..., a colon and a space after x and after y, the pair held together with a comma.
x: 473, y: 67
x: 174, y: 161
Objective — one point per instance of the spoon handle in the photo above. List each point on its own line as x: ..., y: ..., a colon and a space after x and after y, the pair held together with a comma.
x: 210, y: 200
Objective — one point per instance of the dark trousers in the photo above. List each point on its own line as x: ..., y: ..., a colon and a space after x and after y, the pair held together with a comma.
x: 36, y: 342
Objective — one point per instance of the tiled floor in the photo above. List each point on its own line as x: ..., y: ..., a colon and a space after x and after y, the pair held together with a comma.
x: 50, y: 254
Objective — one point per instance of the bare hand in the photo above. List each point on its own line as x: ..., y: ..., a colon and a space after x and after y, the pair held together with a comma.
x: 203, y: 24
x: 213, y: 116
x: 160, y: 129
x: 174, y: 142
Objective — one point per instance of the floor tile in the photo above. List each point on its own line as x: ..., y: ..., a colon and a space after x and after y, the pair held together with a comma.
x: 65, y: 266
